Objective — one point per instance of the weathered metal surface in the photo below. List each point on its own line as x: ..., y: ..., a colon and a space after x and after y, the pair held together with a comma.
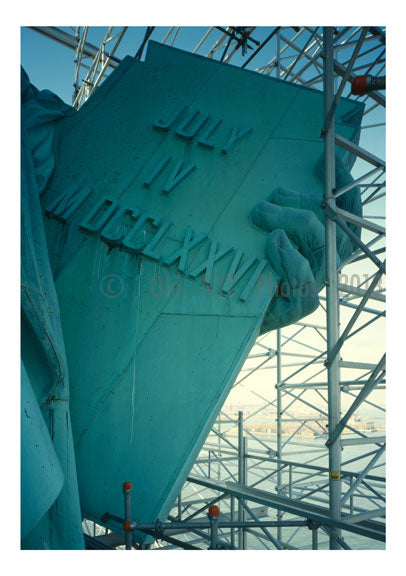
x: 162, y: 280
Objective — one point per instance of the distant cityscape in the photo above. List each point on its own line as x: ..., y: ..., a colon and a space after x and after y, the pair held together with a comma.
x: 260, y: 420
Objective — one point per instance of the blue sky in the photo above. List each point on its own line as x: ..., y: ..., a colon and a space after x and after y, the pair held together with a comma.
x: 50, y: 65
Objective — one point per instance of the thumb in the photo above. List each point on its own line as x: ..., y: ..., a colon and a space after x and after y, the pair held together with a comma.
x: 297, y: 292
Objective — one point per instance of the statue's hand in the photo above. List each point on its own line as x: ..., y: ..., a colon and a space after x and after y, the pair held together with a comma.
x: 295, y: 246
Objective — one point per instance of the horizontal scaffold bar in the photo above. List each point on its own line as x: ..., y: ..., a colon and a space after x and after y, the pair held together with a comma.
x: 365, y: 440
x: 370, y: 529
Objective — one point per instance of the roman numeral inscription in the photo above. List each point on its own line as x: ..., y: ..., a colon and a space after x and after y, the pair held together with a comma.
x: 66, y: 205
x: 110, y: 235
x: 183, y: 252
x: 262, y: 264
x: 211, y: 128
x: 190, y: 125
x: 165, y: 126
x: 134, y: 232
x: 177, y: 176
x: 163, y: 162
x: 189, y: 129
x: 132, y: 242
x: 99, y: 215
x: 235, y: 272
x: 143, y: 233
x: 236, y: 134
x: 207, y: 266
x: 157, y: 239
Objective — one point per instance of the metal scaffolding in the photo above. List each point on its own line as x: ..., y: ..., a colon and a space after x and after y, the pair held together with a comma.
x: 312, y: 363
x: 312, y: 474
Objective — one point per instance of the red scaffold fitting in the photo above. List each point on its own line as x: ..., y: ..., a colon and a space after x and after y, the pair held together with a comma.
x: 127, y: 486
x: 362, y: 85
x: 214, y: 510
x: 127, y: 526
x: 359, y: 85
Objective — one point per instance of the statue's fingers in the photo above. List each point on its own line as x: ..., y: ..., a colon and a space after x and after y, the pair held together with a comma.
x: 303, y: 228
x: 293, y: 199
x: 296, y: 296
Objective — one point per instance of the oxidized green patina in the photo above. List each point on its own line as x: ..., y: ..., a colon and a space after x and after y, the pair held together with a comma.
x: 182, y: 215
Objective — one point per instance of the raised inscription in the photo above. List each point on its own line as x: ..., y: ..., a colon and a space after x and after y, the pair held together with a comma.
x: 106, y: 218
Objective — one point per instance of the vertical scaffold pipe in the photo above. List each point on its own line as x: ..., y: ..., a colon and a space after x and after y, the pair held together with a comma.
x: 315, y: 544
x: 279, y: 423
x: 331, y: 285
x: 240, y: 476
x: 278, y: 54
x: 245, y: 482
x: 180, y: 506
x: 219, y: 449
x: 214, y: 513
x: 127, y: 489
x: 232, y: 518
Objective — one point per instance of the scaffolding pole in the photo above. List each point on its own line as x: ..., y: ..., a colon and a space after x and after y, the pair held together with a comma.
x: 279, y: 423
x: 333, y: 370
